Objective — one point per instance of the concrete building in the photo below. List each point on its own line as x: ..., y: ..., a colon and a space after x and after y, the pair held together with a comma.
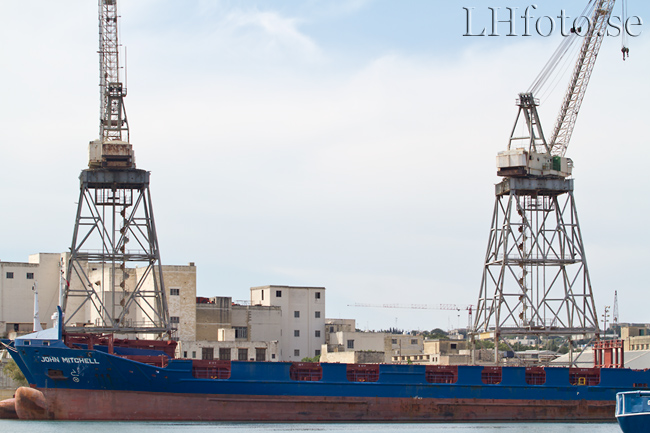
x: 17, y: 296
x: 635, y: 337
x: 180, y: 288
x: 447, y: 352
x: 345, y: 344
x: 229, y: 331
x: 229, y: 348
x: 303, y: 318
x: 280, y: 322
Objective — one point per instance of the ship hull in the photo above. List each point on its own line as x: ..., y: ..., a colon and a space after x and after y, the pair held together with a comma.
x: 80, y: 382
x: 66, y: 404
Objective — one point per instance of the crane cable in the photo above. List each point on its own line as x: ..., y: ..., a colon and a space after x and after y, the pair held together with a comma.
x: 624, y: 49
x: 562, y: 50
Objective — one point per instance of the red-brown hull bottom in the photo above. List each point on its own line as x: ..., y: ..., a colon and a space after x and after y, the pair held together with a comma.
x: 8, y: 409
x: 63, y: 404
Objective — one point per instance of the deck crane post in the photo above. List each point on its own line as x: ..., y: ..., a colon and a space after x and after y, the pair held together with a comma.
x: 535, y: 276
x: 114, y: 280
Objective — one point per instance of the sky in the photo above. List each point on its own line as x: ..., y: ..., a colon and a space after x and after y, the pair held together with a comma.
x: 340, y: 144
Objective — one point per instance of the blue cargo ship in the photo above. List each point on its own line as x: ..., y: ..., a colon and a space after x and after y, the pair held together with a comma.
x: 101, y: 378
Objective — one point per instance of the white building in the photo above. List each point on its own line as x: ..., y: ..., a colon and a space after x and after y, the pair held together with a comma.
x: 228, y: 331
x: 17, y: 296
x: 303, y: 318
x: 345, y: 344
x: 281, y: 323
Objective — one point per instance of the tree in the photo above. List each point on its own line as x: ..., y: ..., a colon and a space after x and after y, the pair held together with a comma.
x: 314, y: 359
x: 11, y: 370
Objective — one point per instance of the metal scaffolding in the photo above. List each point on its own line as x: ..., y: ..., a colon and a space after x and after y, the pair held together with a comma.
x: 535, y: 277
x: 115, y: 230
x: 114, y: 275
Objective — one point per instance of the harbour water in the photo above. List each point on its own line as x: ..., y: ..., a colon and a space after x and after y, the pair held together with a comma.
x: 198, y: 427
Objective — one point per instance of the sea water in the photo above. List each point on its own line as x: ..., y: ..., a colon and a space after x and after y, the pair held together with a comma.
x: 11, y: 426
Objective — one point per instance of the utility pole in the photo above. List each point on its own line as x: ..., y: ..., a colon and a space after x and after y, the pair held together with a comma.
x: 605, y: 316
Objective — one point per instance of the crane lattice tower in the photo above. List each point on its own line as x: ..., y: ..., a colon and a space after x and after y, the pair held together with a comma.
x: 535, y: 276
x: 114, y: 276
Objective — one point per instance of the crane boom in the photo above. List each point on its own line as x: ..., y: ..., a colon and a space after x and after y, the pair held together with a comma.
x: 113, y: 148
x: 568, y: 114
x: 113, y: 122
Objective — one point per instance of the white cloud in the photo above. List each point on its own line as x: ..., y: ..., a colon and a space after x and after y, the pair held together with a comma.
x: 266, y: 32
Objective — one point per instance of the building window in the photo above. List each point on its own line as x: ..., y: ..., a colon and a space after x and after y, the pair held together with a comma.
x: 174, y: 319
x: 30, y: 275
x: 296, y: 333
x: 224, y: 353
x: 241, y: 332
x: 394, y: 341
x: 185, y: 354
x: 317, y: 334
x: 317, y: 314
x: 10, y: 275
x: 317, y: 295
x: 350, y: 344
x: 262, y: 294
x: 260, y: 354
x: 296, y: 352
x: 242, y: 354
x: 414, y: 341
x: 278, y: 293
x: 453, y: 345
x: 331, y: 329
x: 317, y: 352
x: 175, y: 292
x: 193, y: 354
x: 296, y: 314
x: 207, y: 353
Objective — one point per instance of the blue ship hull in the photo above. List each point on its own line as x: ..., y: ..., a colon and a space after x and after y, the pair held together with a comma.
x: 85, y: 383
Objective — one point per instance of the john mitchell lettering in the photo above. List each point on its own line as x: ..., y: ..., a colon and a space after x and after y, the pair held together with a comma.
x: 70, y: 360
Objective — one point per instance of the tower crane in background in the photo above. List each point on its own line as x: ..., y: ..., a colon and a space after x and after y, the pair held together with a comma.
x: 453, y: 307
x: 114, y: 280
x: 535, y: 277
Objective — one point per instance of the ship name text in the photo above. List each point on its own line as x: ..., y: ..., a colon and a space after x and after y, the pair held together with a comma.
x: 68, y: 360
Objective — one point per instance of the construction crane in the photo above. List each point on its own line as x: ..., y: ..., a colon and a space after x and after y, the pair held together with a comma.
x: 454, y: 307
x: 416, y: 306
x: 535, y: 277
x: 114, y: 279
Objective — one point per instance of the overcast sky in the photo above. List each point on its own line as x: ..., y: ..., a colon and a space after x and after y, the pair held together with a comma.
x: 343, y: 144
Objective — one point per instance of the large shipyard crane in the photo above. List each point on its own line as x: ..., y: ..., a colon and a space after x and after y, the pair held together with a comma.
x: 535, y: 277
x: 114, y: 275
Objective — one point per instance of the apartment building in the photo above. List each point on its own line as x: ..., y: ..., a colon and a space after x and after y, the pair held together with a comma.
x: 303, y: 318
